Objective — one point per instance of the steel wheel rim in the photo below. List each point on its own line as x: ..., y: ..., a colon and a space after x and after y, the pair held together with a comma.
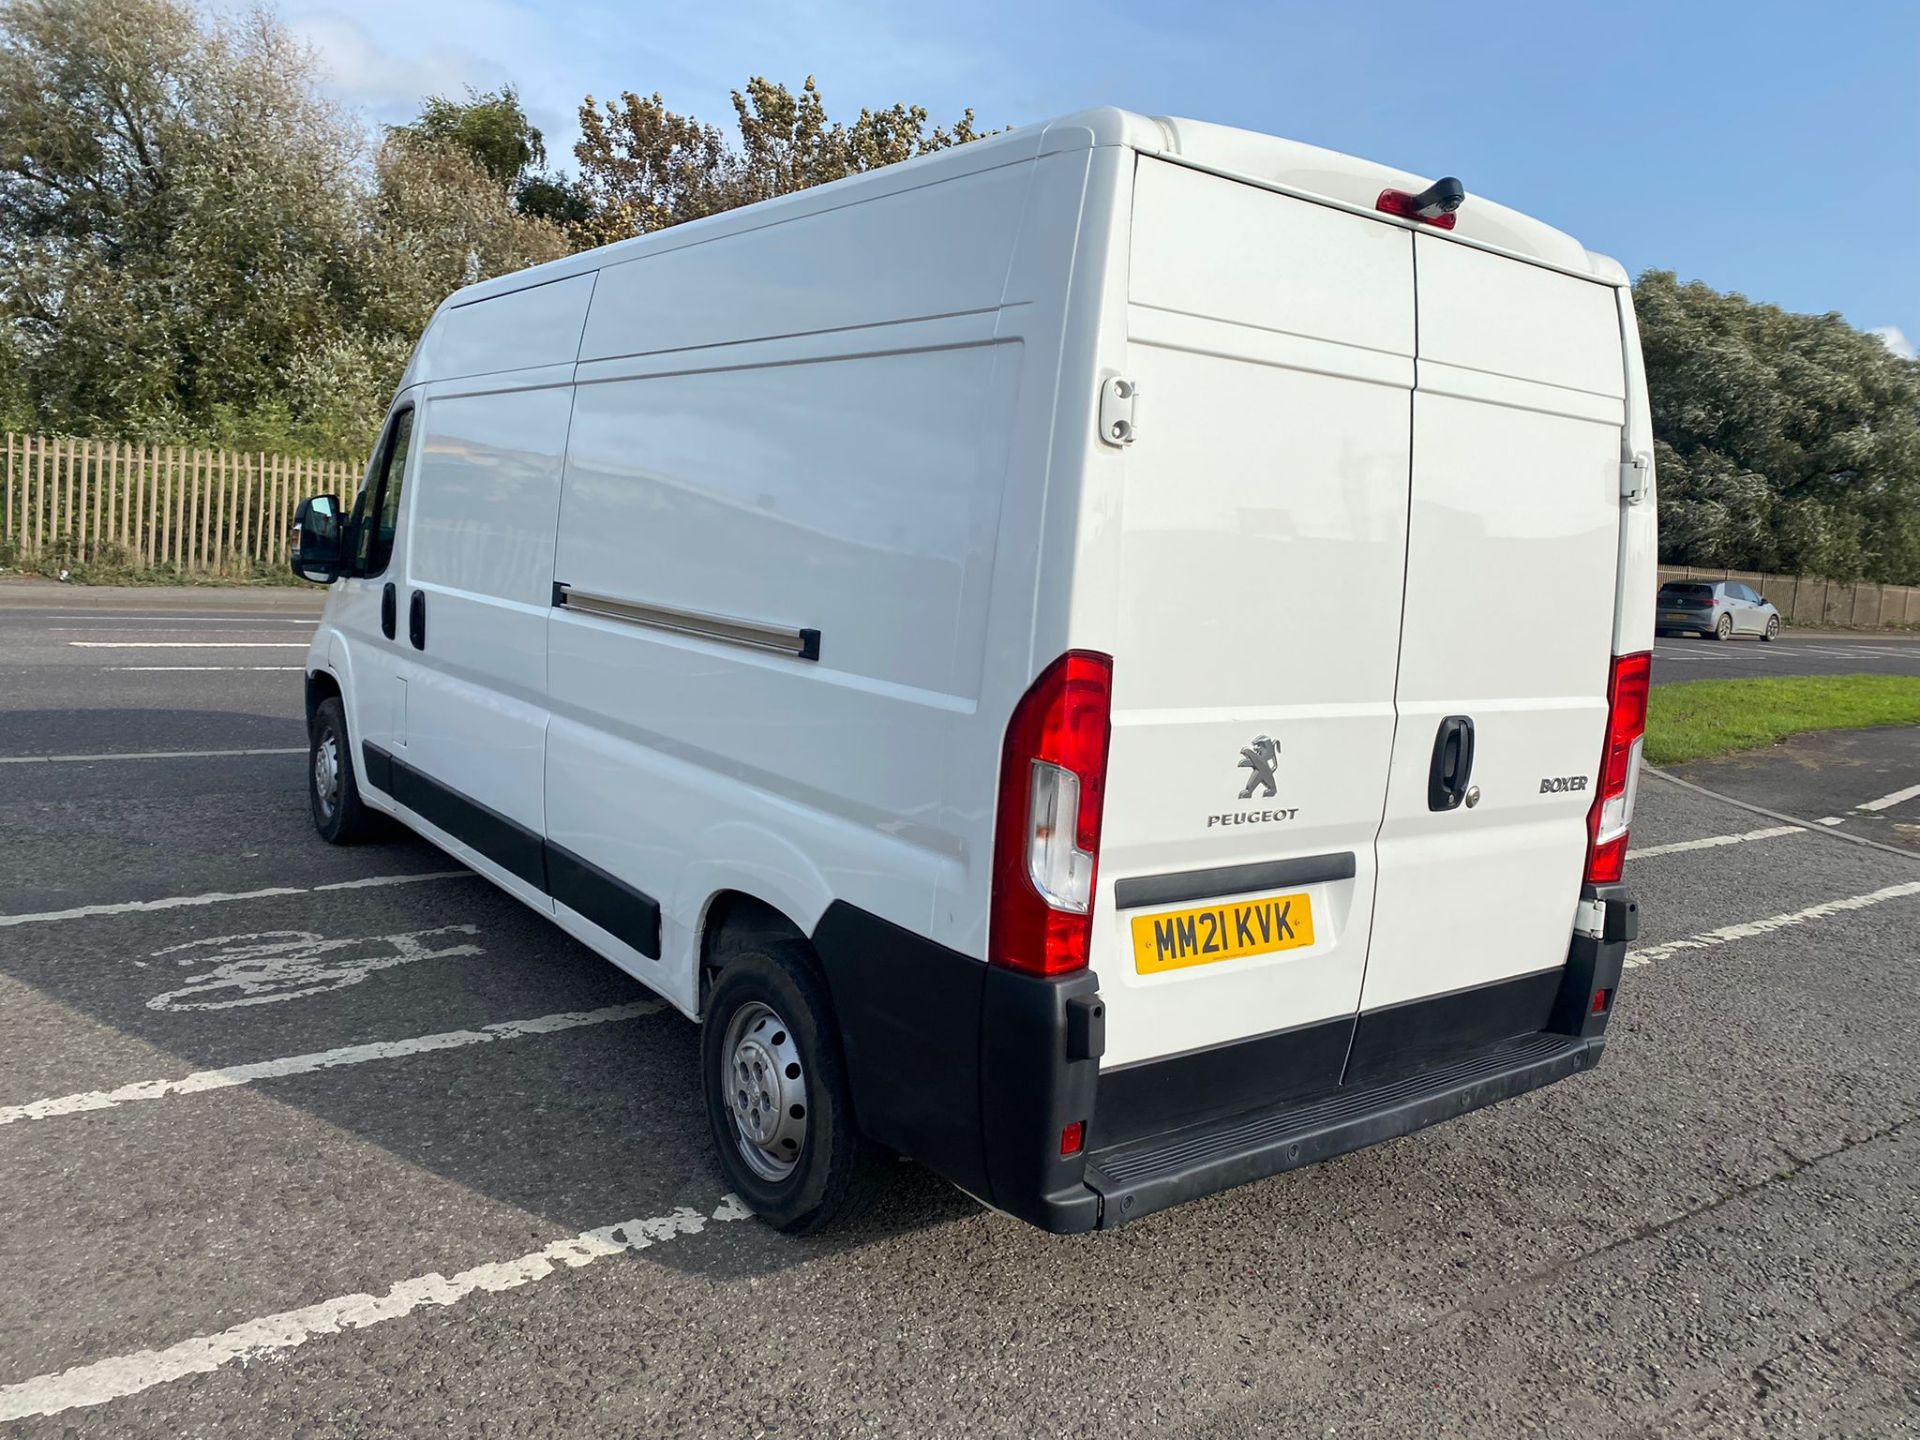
x: 326, y: 772
x: 765, y: 1085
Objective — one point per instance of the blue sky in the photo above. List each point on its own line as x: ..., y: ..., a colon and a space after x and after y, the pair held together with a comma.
x: 1765, y: 147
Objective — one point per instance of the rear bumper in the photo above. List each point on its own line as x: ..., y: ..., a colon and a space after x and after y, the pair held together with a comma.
x: 1162, y: 1170
x: 980, y: 1083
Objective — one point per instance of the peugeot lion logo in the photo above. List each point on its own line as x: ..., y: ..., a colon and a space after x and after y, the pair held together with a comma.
x: 1260, y: 757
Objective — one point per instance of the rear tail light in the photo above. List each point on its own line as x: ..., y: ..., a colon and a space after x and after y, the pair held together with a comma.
x: 1046, y: 841
x: 1612, y: 810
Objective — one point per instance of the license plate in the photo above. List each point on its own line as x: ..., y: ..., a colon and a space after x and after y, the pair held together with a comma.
x: 1676, y: 615
x: 1175, y: 939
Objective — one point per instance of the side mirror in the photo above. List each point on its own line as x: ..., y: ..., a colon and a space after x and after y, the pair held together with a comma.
x: 319, y: 546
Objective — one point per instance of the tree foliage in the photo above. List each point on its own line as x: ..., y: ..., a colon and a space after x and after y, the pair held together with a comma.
x: 644, y: 167
x: 1784, y: 442
x: 194, y: 244
x: 489, y: 127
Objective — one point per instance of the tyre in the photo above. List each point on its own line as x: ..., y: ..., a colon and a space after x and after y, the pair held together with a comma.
x: 776, y: 1091
x: 1723, y: 628
x: 1772, y: 632
x: 332, y: 792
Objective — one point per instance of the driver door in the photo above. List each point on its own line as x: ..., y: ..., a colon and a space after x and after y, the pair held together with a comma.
x: 369, y: 635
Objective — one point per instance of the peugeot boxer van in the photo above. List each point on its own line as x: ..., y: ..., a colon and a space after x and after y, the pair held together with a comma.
x: 1020, y: 646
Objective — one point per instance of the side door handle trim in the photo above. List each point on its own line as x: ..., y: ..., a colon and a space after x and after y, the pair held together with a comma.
x: 417, y: 620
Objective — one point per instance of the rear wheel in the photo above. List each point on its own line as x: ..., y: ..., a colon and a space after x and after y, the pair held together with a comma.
x: 1723, y: 630
x: 332, y: 793
x: 1772, y: 632
x: 776, y: 1093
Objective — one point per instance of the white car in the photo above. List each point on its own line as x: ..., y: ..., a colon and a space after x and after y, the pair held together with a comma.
x: 1019, y: 645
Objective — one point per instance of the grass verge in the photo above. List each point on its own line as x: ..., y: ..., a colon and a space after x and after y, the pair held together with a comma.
x: 1699, y: 718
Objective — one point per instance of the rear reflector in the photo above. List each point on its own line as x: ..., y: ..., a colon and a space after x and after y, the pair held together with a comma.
x: 1046, y: 840
x: 1612, y: 810
x: 1600, y: 999
x: 1399, y: 202
x: 1073, y: 1138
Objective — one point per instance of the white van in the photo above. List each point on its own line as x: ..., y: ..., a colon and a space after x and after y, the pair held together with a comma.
x: 1109, y: 661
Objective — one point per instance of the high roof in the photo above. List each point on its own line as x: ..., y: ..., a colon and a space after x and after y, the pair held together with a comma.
x: 1288, y: 165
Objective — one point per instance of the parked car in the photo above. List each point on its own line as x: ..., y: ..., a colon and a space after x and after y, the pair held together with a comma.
x: 1722, y: 609
x: 893, y: 622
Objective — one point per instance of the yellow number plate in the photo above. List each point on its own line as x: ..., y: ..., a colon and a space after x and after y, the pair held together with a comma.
x: 1175, y: 939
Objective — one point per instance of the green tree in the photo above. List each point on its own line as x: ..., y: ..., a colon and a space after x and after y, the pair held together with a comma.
x: 1784, y: 442
x: 643, y: 167
x: 191, y: 237
x: 489, y: 126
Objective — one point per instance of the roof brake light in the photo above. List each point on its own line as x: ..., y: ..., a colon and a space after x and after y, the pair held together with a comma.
x: 1433, y: 206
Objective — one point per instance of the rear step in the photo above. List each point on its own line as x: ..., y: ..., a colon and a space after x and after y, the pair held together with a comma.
x: 1140, y: 1176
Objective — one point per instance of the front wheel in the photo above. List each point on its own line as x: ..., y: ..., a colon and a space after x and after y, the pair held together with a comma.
x: 1772, y: 631
x: 332, y: 793
x: 776, y: 1092
x: 1724, y: 629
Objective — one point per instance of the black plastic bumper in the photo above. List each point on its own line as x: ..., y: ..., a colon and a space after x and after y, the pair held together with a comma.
x: 978, y: 1072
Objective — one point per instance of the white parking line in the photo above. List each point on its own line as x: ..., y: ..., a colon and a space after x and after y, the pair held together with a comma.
x: 129, y: 1374
x: 189, y: 617
x: 1712, y: 841
x: 151, y: 669
x: 188, y: 644
x: 1746, y: 930
x: 222, y: 897
x: 1887, y: 802
x: 202, y: 1081
x: 141, y: 755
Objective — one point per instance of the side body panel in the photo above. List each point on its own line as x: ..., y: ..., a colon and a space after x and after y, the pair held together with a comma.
x: 799, y: 455
x: 485, y: 494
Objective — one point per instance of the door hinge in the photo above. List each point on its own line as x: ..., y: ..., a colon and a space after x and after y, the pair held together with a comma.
x: 1590, y: 919
x: 1119, y: 411
x: 1634, y: 475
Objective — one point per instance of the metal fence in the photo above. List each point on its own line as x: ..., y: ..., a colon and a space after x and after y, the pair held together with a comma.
x: 119, y: 505
x: 1806, y: 600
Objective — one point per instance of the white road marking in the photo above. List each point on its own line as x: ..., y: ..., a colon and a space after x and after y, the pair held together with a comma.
x: 202, y: 1081
x: 222, y: 897
x: 129, y: 1374
x: 143, y: 755
x: 188, y: 644
x: 151, y: 669
x: 189, y: 617
x: 1712, y: 841
x: 1831, y: 820
x: 275, y: 965
x: 1887, y: 802
x: 1746, y: 930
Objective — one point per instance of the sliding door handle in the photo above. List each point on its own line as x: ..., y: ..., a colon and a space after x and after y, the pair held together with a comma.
x: 417, y: 620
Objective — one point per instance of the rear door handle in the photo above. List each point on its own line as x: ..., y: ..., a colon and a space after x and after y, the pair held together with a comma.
x: 388, y: 609
x: 1452, y: 763
x: 417, y: 620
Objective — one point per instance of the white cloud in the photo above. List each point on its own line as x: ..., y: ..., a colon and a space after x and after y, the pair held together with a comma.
x: 1895, y: 340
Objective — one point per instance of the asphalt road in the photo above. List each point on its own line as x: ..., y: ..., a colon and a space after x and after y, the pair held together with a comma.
x: 1687, y: 657
x: 407, y: 1213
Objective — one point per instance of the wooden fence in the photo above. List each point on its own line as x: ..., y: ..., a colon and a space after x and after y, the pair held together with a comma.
x: 1807, y: 600
x: 117, y: 505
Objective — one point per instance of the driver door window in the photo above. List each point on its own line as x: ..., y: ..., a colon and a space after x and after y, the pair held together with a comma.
x: 376, y: 511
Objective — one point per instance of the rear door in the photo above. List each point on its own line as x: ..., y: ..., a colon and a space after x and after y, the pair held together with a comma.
x: 1513, y: 536
x: 1262, y: 548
